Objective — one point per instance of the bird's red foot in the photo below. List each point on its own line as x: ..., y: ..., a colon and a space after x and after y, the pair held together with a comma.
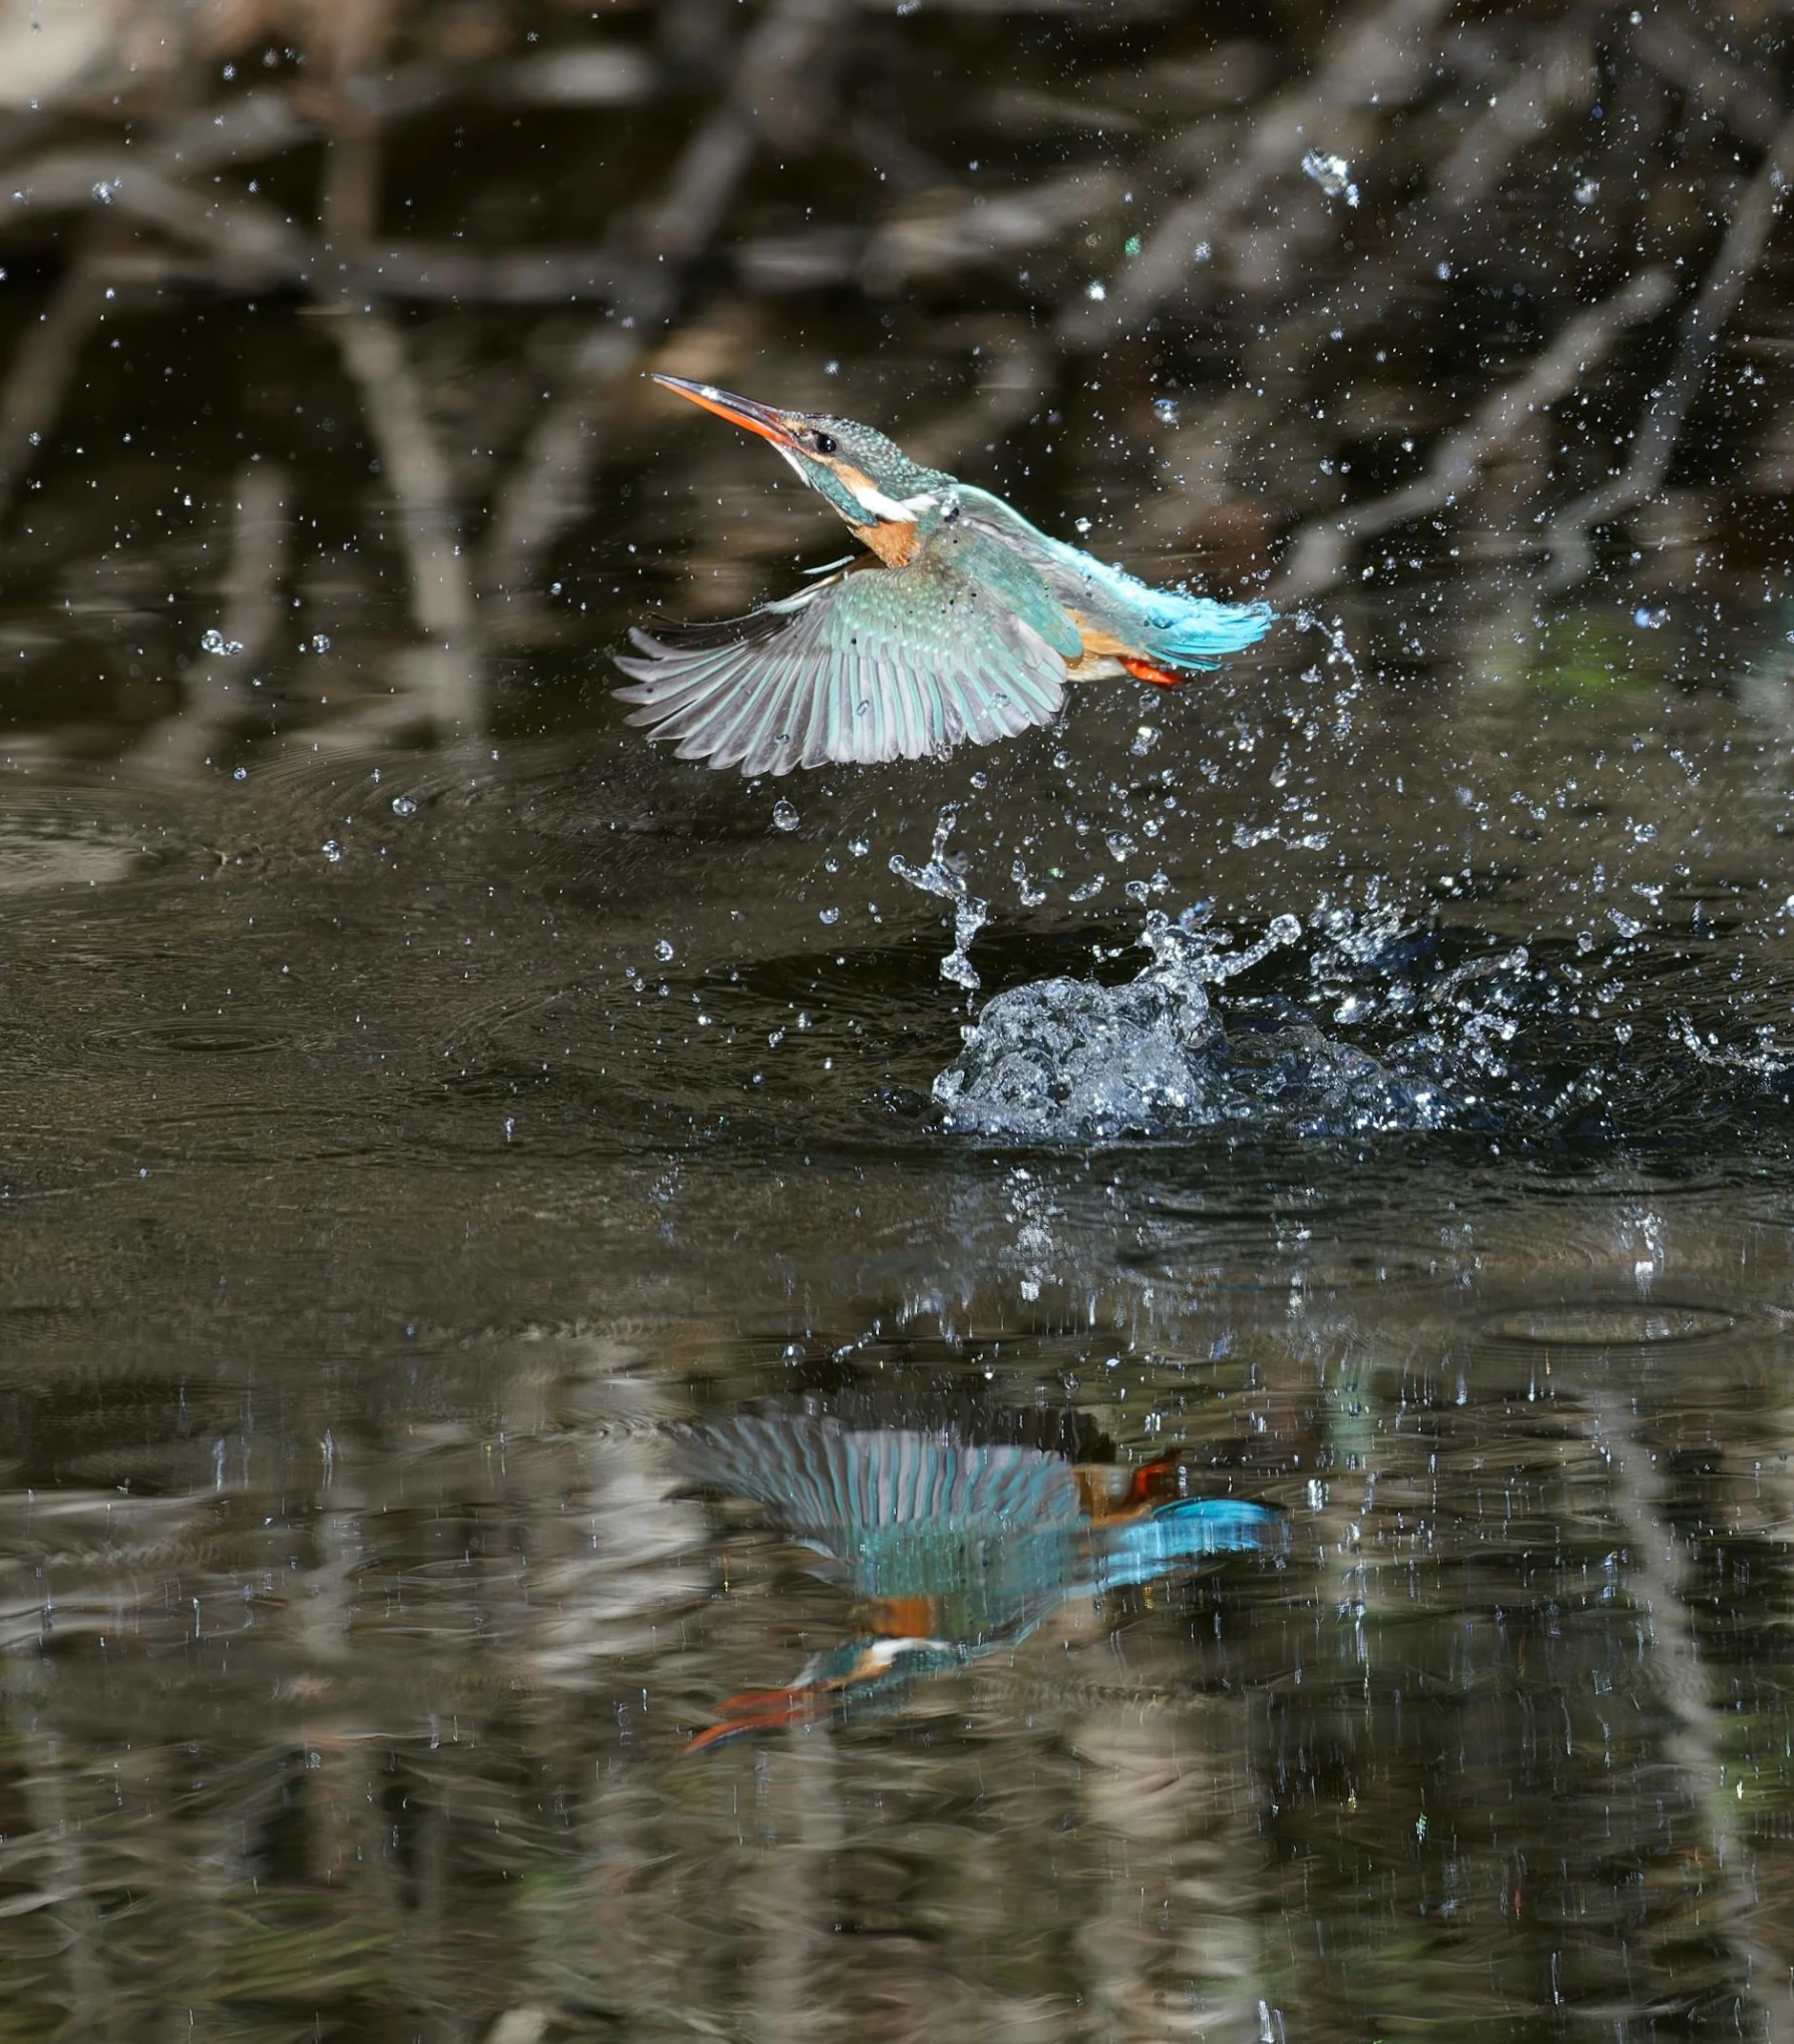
x: 1144, y: 670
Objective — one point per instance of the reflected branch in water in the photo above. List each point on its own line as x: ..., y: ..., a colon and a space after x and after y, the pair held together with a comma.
x: 1708, y: 314
x: 548, y: 488
x: 1323, y: 549
x: 1656, y: 1570
x: 355, y: 34
x: 216, y: 690
x: 772, y: 86
x: 1687, y: 61
x: 1374, y: 58
x: 44, y: 364
x: 374, y: 352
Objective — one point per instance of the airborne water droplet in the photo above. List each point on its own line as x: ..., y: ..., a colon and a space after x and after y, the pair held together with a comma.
x: 1332, y: 173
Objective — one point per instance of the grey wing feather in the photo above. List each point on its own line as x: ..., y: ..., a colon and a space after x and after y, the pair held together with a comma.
x: 880, y: 663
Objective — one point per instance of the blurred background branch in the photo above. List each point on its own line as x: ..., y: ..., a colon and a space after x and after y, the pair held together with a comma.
x: 1286, y: 308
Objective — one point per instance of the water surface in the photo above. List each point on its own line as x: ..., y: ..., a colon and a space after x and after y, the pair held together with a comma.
x: 1362, y: 1079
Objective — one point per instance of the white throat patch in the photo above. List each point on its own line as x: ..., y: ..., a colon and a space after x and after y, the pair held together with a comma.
x: 888, y: 508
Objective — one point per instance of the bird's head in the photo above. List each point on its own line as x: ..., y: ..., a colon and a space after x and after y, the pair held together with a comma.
x: 867, y: 479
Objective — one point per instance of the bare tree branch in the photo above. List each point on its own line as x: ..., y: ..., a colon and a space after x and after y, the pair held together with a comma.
x: 1570, y: 537
x: 1322, y: 550
x: 1371, y: 59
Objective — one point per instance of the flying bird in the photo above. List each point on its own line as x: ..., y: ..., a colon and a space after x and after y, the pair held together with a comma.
x: 950, y: 1549
x: 961, y: 622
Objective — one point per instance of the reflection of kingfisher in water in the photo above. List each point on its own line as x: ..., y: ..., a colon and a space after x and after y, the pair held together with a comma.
x: 950, y: 1549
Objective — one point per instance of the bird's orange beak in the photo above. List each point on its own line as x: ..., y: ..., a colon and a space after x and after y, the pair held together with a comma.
x: 759, y: 1710
x: 738, y: 411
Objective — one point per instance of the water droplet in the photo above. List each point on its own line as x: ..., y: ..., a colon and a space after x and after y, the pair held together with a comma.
x: 664, y: 952
x: 320, y: 641
x: 1587, y: 190
x: 784, y: 815
x: 1097, y: 291
x: 1332, y: 173
x: 403, y: 805
x: 239, y: 774
x: 828, y: 915
x: 970, y: 912
x: 332, y: 849
x: 213, y: 641
x: 1165, y: 410
x: 1145, y: 738
x: 1648, y: 619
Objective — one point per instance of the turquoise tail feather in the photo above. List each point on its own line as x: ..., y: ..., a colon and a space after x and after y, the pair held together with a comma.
x: 1180, y: 1534
x: 1197, y: 631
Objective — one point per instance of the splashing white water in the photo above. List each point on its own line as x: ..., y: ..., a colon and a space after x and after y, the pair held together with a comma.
x: 1072, y: 1060
x: 970, y: 912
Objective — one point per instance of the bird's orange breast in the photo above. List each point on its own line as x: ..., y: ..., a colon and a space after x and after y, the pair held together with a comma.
x: 895, y: 542
x: 1103, y: 646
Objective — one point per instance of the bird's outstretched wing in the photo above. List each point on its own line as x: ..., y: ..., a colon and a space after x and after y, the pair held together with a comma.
x: 877, y: 663
x: 831, y: 1484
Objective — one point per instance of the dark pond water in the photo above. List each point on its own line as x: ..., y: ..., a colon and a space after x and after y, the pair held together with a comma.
x: 465, y: 1173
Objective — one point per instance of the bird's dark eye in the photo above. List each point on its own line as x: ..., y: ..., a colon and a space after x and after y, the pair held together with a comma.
x: 824, y: 444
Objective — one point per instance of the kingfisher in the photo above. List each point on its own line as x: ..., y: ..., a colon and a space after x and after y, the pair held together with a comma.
x: 959, y: 622
x: 948, y: 1548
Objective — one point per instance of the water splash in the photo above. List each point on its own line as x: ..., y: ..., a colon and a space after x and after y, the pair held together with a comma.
x: 1332, y: 173
x: 1071, y: 1060
x: 947, y: 880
